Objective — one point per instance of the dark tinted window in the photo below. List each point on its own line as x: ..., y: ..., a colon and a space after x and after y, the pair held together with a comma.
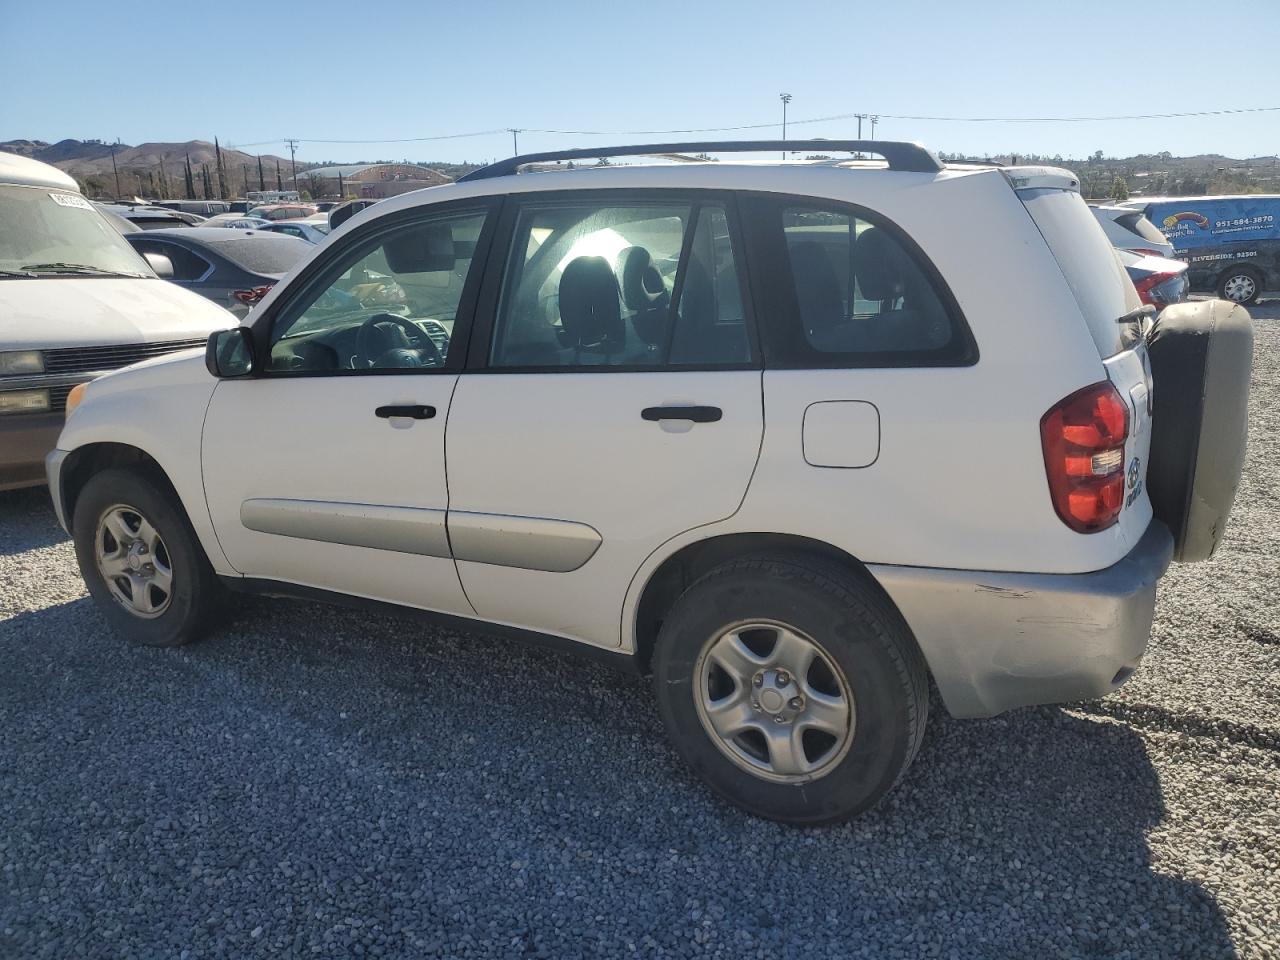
x: 187, y: 266
x: 852, y: 291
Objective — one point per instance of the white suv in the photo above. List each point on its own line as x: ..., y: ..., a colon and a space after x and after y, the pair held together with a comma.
x: 794, y: 437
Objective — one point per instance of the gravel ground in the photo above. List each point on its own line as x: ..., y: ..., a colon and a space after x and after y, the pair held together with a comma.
x: 316, y: 782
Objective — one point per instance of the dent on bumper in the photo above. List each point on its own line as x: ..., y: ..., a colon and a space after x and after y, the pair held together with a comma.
x: 995, y: 641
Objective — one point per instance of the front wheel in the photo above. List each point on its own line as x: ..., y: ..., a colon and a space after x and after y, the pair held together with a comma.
x: 791, y: 687
x: 1239, y: 285
x: 141, y: 560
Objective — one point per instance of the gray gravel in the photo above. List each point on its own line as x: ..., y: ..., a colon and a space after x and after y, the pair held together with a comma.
x: 316, y: 782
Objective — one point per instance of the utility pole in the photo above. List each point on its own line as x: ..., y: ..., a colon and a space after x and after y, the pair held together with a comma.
x: 874, y: 120
x: 113, y: 166
x: 515, y: 142
x: 293, y: 146
x: 785, y: 98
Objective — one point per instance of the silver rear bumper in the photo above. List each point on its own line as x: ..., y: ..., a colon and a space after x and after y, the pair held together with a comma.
x: 995, y: 641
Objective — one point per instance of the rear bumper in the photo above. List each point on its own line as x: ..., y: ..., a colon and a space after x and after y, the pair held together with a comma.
x: 995, y: 641
x: 24, y: 441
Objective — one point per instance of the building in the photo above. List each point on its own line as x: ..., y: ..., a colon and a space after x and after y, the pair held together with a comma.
x: 376, y: 180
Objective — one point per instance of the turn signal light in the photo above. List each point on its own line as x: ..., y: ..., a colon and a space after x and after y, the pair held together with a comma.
x: 1083, y: 437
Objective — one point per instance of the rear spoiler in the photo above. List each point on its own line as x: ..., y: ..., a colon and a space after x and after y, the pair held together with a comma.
x: 1041, y: 178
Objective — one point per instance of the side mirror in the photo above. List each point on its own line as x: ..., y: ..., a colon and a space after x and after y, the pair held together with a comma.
x: 229, y: 353
x: 161, y: 264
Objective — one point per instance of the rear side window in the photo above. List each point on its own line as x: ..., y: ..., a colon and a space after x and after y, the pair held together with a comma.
x: 854, y: 292
x: 630, y: 284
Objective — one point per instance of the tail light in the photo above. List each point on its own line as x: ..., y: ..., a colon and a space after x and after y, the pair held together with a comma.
x: 1083, y: 438
x: 1158, y: 290
x: 250, y: 297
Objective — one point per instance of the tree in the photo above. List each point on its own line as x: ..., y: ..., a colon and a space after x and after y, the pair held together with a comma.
x: 1119, y: 189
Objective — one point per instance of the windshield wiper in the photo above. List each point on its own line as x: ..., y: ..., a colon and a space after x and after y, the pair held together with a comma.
x: 80, y: 268
x: 17, y: 273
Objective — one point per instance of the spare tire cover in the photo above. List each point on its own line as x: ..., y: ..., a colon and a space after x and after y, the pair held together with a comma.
x: 1201, y: 359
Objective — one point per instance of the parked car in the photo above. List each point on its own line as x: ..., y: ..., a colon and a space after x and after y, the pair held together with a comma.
x: 1159, y: 281
x: 308, y: 229
x: 324, y: 206
x: 1128, y: 229
x: 952, y: 485
x: 233, y: 268
x: 75, y: 301
x: 1231, y: 243
x: 283, y: 211
x: 236, y: 221
x: 147, y: 217
x: 203, y: 208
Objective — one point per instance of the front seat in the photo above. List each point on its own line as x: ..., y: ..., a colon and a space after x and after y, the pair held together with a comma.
x: 590, y: 314
x: 645, y: 294
x: 819, y: 297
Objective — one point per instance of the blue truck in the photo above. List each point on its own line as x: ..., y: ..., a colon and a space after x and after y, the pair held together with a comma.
x: 1231, y: 244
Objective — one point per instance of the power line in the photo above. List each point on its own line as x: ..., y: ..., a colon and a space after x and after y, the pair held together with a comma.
x: 760, y: 126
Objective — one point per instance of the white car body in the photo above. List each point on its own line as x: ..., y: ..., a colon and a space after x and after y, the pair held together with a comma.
x: 81, y: 325
x: 1128, y: 229
x: 926, y: 486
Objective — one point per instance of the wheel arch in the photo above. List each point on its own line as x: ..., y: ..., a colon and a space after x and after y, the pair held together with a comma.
x: 84, y: 461
x: 676, y: 572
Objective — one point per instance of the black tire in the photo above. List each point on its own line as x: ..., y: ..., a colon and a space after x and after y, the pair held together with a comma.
x: 855, y: 626
x: 1230, y: 279
x: 197, y: 599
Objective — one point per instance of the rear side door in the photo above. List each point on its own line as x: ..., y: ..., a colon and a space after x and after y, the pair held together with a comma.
x: 612, y: 401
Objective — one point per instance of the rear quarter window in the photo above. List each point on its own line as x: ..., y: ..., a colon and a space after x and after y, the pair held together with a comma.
x: 847, y: 288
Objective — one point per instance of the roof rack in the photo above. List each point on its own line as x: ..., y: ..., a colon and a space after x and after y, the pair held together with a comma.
x: 901, y: 155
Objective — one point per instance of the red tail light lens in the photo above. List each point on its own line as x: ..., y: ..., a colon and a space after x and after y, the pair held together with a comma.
x: 251, y: 297
x: 1149, y: 288
x: 1083, y: 438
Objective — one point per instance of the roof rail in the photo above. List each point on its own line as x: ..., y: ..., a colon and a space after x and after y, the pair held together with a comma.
x: 901, y: 155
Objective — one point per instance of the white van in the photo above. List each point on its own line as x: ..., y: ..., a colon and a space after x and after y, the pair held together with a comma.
x: 75, y: 302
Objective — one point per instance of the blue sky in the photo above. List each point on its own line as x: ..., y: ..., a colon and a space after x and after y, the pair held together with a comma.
x: 259, y: 71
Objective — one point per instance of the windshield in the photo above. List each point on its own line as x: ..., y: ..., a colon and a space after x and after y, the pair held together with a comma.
x: 50, y: 232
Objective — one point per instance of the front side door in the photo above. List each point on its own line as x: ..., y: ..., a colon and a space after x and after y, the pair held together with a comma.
x: 613, y: 403
x: 328, y: 469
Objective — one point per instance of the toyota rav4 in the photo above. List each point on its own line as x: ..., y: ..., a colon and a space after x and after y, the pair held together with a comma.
x: 796, y: 438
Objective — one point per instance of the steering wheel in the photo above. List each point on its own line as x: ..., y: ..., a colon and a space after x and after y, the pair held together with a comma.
x: 423, y: 345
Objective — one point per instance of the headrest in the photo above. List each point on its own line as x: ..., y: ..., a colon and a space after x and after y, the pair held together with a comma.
x: 589, y: 308
x: 880, y: 265
x: 646, y: 295
x: 818, y: 292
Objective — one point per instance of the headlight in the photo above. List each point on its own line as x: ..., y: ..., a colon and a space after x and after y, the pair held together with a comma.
x: 24, y: 401
x: 75, y: 396
x: 17, y: 362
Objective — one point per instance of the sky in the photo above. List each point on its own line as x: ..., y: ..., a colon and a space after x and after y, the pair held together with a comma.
x: 254, y: 73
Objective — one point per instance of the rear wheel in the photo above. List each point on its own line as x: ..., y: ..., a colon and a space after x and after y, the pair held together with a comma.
x: 791, y: 687
x: 141, y: 560
x: 1239, y: 285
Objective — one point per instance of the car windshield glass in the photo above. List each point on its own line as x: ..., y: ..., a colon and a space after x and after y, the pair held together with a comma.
x: 264, y: 254
x: 55, y: 232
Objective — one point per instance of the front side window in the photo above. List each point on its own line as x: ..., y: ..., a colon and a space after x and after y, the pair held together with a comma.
x: 620, y: 285
x: 391, y: 303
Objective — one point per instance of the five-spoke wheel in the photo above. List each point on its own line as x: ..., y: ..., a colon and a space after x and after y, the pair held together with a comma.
x: 134, y: 561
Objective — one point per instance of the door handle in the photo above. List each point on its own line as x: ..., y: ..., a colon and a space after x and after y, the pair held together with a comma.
x: 416, y: 411
x: 696, y: 414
